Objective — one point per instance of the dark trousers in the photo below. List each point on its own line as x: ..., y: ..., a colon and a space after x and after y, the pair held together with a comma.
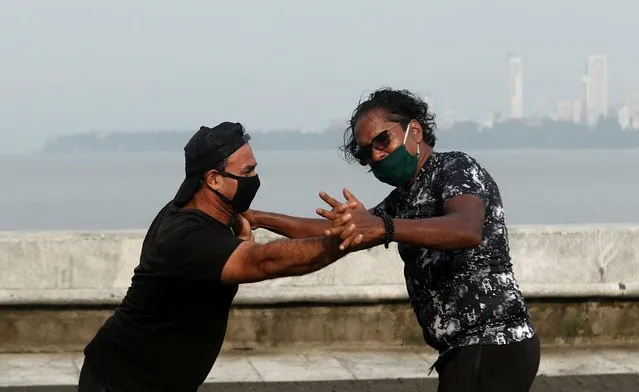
x: 494, y: 368
x: 87, y: 382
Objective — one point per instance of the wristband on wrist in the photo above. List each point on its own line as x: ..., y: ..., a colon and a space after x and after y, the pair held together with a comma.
x: 390, y: 230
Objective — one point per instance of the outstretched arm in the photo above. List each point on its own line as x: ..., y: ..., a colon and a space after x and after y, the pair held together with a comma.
x: 460, y: 227
x: 251, y: 261
x: 292, y: 226
x: 203, y: 254
x: 254, y: 262
x: 286, y: 225
x: 464, y: 193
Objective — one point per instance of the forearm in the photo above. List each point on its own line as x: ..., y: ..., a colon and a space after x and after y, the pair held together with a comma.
x: 299, y: 256
x: 290, y: 226
x: 445, y: 233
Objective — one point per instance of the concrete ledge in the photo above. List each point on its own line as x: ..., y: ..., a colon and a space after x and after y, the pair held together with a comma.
x: 79, y: 268
x: 346, y: 326
x: 341, y: 294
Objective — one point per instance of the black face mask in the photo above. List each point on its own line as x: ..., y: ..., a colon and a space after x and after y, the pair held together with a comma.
x: 246, y: 190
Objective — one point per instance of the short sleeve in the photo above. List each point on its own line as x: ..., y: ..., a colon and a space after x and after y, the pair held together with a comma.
x: 201, y: 253
x: 462, y: 175
x: 387, y: 207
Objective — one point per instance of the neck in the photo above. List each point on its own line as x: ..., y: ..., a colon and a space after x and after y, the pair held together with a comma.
x: 425, y: 153
x: 211, y: 206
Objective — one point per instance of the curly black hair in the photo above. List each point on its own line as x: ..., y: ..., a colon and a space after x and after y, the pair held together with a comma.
x: 401, y: 105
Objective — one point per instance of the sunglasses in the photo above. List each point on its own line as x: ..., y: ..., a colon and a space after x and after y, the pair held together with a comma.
x: 364, y: 154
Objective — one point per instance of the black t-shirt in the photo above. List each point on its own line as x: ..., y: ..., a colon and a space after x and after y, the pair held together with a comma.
x: 169, y: 328
x: 467, y: 296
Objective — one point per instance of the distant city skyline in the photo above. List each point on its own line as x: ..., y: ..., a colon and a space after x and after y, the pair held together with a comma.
x: 76, y: 66
x: 515, y: 87
x: 592, y: 105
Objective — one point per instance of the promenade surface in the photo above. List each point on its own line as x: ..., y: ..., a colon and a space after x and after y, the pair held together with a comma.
x: 610, y: 383
x: 398, y: 370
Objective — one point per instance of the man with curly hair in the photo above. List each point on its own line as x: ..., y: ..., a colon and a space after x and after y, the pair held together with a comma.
x: 446, y: 215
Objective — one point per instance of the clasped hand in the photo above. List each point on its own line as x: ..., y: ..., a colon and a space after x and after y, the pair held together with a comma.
x: 243, y: 228
x: 352, y: 222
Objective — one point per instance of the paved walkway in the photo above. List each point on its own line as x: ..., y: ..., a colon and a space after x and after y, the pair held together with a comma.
x: 608, y: 383
x: 560, y: 370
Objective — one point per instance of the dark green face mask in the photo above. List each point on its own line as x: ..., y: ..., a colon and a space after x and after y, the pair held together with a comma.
x: 398, y: 167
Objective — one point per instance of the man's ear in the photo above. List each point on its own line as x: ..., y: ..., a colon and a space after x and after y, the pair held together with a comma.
x: 212, y: 179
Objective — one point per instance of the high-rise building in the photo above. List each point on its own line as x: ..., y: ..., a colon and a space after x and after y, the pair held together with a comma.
x: 577, y: 111
x: 628, y: 113
x: 624, y: 117
x: 596, y: 88
x: 515, y: 87
x: 563, y: 111
x: 489, y: 120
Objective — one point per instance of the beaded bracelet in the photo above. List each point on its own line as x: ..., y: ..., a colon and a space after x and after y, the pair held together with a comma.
x: 390, y: 230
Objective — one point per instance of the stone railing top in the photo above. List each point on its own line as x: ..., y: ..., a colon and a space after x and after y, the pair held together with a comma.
x: 95, y: 267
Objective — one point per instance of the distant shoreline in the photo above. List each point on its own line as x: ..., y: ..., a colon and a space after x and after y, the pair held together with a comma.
x: 180, y: 152
x: 548, y: 135
x: 301, y: 148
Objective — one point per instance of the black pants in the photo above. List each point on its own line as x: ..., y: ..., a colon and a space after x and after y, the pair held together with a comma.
x: 490, y: 368
x: 87, y: 382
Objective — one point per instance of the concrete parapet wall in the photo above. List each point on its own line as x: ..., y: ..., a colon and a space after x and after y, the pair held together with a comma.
x: 352, y: 326
x: 42, y: 268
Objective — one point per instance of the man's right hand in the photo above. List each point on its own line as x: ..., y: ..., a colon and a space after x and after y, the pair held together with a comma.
x: 251, y: 217
x: 242, y: 228
x: 341, y: 218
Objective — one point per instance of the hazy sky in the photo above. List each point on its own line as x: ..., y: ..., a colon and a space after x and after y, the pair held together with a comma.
x: 82, y: 65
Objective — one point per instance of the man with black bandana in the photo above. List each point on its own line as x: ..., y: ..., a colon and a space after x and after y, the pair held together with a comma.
x: 167, y: 332
x: 446, y: 216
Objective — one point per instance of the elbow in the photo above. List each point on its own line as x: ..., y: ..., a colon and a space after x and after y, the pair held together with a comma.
x: 470, y: 234
x: 473, y: 239
x: 269, y: 269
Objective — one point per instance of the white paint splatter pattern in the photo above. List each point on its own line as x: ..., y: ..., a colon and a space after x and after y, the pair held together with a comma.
x: 466, y: 296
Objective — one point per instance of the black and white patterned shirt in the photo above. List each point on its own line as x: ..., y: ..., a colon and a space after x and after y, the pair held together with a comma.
x: 467, y: 296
